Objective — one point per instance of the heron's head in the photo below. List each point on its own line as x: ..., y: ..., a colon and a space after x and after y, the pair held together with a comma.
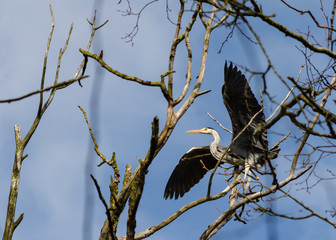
x: 207, y: 130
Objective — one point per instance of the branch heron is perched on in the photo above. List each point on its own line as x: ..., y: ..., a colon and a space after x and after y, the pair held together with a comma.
x: 249, y: 149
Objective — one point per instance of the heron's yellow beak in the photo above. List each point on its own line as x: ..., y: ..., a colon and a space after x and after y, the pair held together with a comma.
x: 195, y: 131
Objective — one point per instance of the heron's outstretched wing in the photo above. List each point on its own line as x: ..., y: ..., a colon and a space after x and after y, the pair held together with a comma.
x: 189, y: 171
x: 242, y: 106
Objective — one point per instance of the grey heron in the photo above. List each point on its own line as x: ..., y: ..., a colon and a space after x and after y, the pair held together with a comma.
x: 249, y: 149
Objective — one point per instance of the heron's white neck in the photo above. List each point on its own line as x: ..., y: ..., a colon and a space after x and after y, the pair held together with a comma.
x: 213, y: 146
x: 219, y: 155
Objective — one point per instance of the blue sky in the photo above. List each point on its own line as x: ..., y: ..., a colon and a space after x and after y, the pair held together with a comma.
x: 52, y: 187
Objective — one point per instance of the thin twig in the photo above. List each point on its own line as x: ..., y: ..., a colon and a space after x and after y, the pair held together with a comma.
x: 93, y: 31
x: 287, y: 96
x: 93, y: 138
x: 219, y: 124
x: 56, y: 86
x: 309, y: 209
x: 102, y: 199
x: 44, y: 69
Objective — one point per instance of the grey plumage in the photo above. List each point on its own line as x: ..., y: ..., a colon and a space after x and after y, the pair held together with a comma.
x: 248, y: 147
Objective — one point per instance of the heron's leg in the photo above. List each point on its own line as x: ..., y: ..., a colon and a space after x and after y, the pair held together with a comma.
x: 247, y: 170
x: 234, y: 191
x: 247, y: 184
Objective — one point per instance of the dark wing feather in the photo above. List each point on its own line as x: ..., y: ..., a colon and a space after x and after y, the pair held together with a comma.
x: 189, y: 171
x: 242, y: 106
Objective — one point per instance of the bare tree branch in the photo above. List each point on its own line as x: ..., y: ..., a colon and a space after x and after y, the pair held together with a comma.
x: 312, y: 124
x: 148, y: 232
x: 21, y: 143
x: 268, y: 20
x: 214, y: 227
